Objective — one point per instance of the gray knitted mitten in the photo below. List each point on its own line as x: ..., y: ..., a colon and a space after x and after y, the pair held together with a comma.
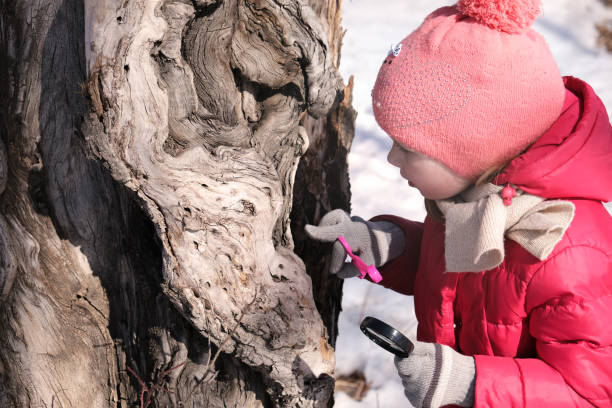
x: 435, y: 375
x: 375, y: 243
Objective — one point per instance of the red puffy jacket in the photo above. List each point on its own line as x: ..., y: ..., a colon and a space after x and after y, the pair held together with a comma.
x: 540, y: 331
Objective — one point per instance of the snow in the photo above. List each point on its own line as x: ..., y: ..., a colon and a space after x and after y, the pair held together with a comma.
x: 569, y: 28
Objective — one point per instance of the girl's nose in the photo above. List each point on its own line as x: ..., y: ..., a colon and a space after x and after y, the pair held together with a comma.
x: 392, y: 155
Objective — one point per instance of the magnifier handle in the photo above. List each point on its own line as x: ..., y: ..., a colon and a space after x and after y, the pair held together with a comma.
x: 374, y: 274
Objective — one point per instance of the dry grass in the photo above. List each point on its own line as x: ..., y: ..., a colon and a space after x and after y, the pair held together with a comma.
x: 604, y: 29
x: 605, y: 33
x: 354, y: 385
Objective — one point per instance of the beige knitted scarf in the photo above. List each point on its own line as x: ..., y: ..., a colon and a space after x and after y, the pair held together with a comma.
x: 478, y: 221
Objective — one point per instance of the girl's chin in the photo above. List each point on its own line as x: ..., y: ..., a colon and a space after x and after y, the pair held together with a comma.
x: 410, y: 184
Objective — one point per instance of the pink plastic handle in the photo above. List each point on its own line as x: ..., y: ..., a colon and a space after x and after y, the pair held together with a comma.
x: 370, y: 270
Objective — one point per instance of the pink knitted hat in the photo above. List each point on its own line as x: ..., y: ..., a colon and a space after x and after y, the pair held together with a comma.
x: 472, y: 87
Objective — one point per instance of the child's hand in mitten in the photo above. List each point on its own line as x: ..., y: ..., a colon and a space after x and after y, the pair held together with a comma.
x: 375, y: 243
x: 434, y: 375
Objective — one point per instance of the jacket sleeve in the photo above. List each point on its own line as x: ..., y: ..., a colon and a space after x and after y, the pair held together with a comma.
x: 399, y: 273
x: 569, y: 301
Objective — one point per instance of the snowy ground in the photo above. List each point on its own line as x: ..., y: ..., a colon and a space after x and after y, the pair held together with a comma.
x: 569, y: 27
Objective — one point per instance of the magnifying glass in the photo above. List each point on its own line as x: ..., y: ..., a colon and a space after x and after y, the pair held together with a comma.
x: 386, y: 337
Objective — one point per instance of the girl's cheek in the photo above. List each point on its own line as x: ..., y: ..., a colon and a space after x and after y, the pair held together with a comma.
x: 410, y: 173
x: 409, y: 167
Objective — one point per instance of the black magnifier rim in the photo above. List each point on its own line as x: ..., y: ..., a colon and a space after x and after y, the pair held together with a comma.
x: 393, y: 336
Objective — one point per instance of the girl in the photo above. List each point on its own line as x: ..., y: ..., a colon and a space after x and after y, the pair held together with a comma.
x: 512, y: 269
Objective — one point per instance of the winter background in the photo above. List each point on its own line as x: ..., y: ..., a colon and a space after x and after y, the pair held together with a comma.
x: 372, y: 27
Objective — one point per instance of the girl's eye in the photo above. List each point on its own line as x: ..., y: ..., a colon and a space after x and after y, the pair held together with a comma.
x: 403, y: 149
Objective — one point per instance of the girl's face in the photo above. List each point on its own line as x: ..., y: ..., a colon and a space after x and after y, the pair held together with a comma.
x: 433, y: 179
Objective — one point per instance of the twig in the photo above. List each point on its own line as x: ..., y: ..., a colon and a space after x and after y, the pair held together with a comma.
x: 227, y: 337
x: 365, y: 302
x: 157, y: 385
x: 211, y: 364
x: 144, y: 390
x: 163, y: 375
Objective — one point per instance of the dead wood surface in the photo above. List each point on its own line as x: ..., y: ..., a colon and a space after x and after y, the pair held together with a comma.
x: 148, y: 154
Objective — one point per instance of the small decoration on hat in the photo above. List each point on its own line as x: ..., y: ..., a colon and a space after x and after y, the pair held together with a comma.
x: 510, y: 16
x: 508, y: 193
x: 395, y: 50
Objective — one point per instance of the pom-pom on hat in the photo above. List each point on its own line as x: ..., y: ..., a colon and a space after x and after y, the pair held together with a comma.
x: 511, y: 16
x: 472, y: 87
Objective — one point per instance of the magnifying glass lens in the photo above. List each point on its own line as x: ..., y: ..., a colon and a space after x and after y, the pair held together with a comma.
x: 385, y: 340
x: 386, y: 337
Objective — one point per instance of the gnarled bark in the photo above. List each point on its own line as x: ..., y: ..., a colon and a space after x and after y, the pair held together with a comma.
x: 147, y: 166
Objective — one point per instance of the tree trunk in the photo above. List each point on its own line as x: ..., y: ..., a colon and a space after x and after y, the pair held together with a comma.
x: 148, y: 154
